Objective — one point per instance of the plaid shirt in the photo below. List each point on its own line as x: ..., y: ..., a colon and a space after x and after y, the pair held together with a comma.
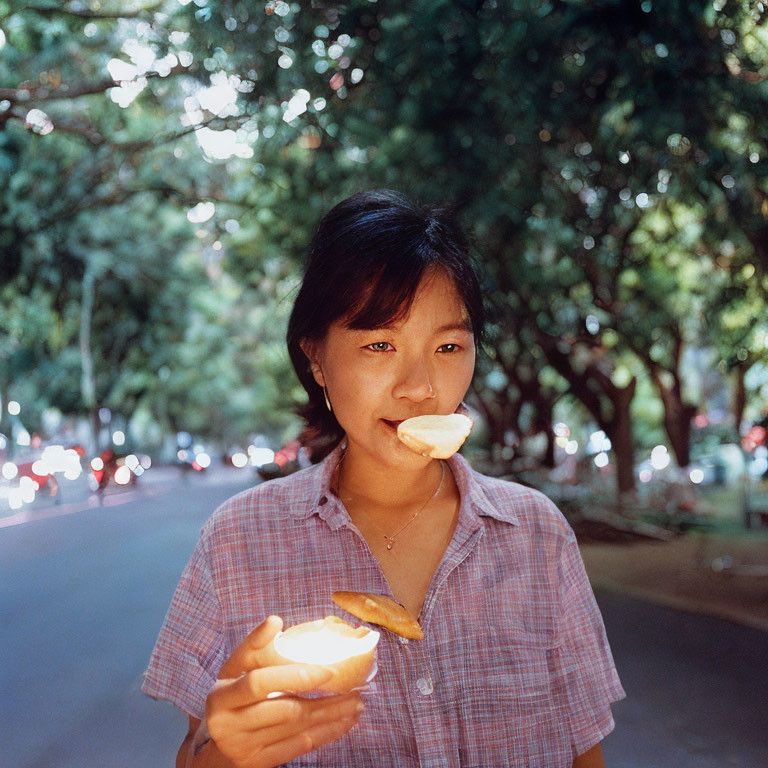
x: 514, y: 670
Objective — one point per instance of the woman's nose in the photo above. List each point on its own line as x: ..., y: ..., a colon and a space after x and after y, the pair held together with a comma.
x: 414, y: 382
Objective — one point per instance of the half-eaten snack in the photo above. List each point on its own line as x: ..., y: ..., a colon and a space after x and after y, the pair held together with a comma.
x: 438, y: 436
x: 330, y: 642
x: 381, y: 610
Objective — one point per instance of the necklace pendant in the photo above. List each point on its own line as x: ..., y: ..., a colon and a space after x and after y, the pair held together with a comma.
x: 389, y: 542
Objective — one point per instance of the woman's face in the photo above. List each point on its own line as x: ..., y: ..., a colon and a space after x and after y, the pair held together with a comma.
x: 377, y: 378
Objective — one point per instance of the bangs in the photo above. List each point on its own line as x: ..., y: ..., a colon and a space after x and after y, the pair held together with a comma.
x: 386, y: 299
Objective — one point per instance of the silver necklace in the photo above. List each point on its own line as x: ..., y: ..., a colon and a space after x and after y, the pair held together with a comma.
x: 391, y: 539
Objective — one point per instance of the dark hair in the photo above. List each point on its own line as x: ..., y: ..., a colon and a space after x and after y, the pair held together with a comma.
x: 366, y: 261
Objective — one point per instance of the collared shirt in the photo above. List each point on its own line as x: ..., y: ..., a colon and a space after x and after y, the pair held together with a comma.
x: 514, y: 669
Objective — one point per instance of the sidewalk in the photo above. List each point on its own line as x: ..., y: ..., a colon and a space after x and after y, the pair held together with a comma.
x: 724, y: 575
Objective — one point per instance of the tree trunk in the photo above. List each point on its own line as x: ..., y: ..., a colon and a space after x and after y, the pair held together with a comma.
x: 501, y: 416
x: 87, y: 380
x: 3, y: 399
x: 543, y: 423
x: 678, y: 416
x: 608, y: 404
x: 739, y: 399
x: 619, y: 431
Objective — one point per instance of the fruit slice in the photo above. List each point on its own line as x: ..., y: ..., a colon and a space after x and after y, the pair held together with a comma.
x: 436, y: 436
x: 349, y: 651
x: 381, y: 610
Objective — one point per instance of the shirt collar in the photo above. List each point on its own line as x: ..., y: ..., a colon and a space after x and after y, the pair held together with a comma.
x: 472, y: 488
x: 317, y: 497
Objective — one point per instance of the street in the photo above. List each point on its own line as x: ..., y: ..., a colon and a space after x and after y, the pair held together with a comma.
x: 83, y: 594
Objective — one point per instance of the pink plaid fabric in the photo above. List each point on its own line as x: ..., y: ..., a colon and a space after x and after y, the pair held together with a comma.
x: 515, y: 668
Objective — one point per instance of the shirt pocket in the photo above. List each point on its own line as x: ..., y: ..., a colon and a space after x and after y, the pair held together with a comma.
x: 531, y: 729
x: 518, y: 668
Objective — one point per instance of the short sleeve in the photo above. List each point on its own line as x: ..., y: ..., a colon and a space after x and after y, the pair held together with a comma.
x: 587, y: 674
x: 190, y: 649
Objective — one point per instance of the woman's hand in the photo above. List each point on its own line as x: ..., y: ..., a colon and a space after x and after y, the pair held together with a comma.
x: 252, y: 731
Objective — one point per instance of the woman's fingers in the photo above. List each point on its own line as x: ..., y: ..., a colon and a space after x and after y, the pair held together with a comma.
x: 247, y: 655
x: 316, y: 736
x: 256, y: 685
x: 306, y: 712
x: 250, y: 728
x: 295, y: 727
x: 284, y: 727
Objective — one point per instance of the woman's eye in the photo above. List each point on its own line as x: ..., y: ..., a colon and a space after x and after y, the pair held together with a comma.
x: 448, y: 348
x: 379, y: 346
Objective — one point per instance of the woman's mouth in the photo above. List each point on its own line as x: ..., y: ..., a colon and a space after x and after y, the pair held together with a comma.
x: 392, y: 423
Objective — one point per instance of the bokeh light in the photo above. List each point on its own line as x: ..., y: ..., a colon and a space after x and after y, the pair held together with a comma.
x: 131, y: 461
x: 27, y: 487
x: 239, y: 460
x: 123, y: 475
x: 660, y: 457
x: 260, y: 456
x: 696, y: 475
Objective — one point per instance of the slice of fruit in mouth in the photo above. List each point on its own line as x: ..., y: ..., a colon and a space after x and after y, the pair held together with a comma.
x: 438, y: 436
x: 381, y: 610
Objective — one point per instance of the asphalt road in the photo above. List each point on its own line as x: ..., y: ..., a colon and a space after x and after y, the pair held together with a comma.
x: 83, y: 592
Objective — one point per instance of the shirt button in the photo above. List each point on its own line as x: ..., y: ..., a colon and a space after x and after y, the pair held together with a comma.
x: 424, y: 684
x: 403, y: 640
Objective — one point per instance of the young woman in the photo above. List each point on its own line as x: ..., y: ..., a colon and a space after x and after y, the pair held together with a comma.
x: 514, y: 669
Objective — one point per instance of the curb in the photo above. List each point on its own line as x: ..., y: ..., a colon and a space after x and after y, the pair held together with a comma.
x: 687, y: 605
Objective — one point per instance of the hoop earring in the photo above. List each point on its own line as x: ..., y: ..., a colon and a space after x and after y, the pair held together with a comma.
x: 327, y: 401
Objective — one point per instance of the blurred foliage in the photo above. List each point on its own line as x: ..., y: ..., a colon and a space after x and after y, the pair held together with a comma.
x: 609, y: 157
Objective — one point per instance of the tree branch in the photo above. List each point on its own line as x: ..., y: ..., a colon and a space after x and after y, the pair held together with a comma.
x: 67, y: 91
x: 84, y: 13
x: 94, y: 137
x: 171, y: 136
x: 561, y: 362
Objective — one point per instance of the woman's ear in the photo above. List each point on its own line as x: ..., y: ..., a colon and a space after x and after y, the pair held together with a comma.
x: 310, y: 349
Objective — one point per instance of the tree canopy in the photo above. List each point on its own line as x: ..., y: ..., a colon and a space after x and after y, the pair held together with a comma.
x: 167, y: 162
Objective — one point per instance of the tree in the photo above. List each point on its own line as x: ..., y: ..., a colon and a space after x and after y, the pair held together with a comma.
x: 609, y: 158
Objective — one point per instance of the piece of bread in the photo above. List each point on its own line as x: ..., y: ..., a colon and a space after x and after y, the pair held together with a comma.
x: 381, y: 610
x: 436, y: 436
x: 330, y: 642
